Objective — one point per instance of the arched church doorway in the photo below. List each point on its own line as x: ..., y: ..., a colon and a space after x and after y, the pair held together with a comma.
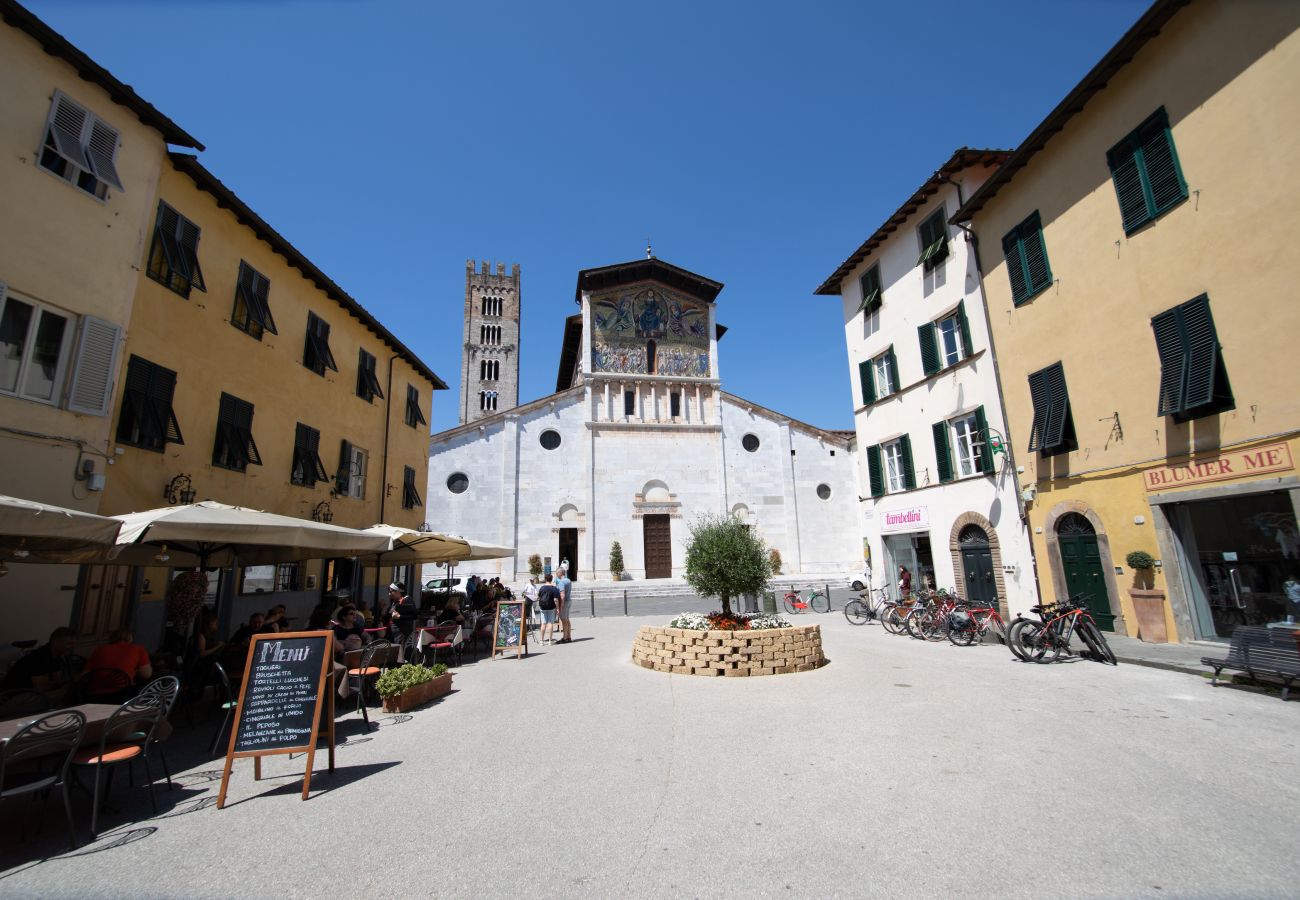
x: 1081, y: 564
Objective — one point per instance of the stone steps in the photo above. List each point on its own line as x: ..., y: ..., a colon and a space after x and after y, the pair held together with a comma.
x: 675, y: 587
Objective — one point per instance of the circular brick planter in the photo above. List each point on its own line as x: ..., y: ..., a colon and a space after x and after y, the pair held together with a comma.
x: 766, y: 651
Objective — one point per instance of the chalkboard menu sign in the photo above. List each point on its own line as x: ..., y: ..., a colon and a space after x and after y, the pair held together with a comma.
x: 510, y: 630
x: 285, y: 705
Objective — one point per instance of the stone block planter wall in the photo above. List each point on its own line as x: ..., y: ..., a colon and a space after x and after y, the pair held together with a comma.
x: 767, y: 651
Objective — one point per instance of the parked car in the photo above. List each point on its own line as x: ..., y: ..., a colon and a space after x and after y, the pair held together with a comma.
x: 440, y: 584
x: 861, y: 581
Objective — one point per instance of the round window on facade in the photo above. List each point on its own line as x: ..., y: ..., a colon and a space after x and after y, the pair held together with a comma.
x: 749, y: 442
x: 824, y: 491
x: 458, y: 483
x: 550, y: 439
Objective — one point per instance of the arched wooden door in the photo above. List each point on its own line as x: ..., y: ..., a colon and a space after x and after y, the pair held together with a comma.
x: 979, y: 588
x: 1081, y: 560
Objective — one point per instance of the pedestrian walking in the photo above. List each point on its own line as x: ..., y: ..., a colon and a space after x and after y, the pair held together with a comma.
x: 549, y: 599
x: 565, y: 587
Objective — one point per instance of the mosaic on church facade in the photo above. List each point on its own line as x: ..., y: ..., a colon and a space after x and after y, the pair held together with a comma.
x: 631, y: 324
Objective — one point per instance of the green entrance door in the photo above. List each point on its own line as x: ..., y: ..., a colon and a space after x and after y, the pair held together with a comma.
x: 977, y: 565
x: 1081, y: 559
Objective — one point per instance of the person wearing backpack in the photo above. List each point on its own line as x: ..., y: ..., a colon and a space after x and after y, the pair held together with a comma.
x: 548, y: 599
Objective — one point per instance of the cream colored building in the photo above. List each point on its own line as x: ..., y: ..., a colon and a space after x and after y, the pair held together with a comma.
x: 80, y: 156
x: 1138, y: 270
x: 251, y: 378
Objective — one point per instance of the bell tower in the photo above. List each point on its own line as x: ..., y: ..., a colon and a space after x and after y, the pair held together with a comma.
x: 489, y: 376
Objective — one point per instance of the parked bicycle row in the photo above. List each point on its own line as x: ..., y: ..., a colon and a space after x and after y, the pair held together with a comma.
x: 939, y: 615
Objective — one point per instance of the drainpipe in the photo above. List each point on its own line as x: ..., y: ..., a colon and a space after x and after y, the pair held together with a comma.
x: 388, y: 414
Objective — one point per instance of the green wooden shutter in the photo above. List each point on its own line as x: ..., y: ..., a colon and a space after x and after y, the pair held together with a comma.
x: 1173, y: 362
x: 929, y: 349
x: 868, y: 383
x: 343, y: 475
x: 905, y: 450
x: 942, y: 451
x: 964, y: 323
x: 1041, y: 397
x: 986, y: 451
x: 894, y: 380
x: 1127, y: 176
x: 1164, y: 177
x: 1038, y: 272
x: 872, y: 296
x: 875, y: 475
x: 1011, y: 251
x: 1202, y: 344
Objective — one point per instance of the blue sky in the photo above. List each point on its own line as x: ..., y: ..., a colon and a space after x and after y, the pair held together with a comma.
x: 754, y: 143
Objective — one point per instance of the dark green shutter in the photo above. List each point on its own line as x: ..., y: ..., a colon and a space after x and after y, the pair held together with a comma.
x: 1011, y: 251
x: 1051, y: 400
x: 875, y: 476
x: 1165, y: 185
x: 986, y: 450
x: 343, y: 475
x: 964, y: 323
x: 893, y: 370
x: 942, y: 452
x: 872, y: 295
x: 1202, y: 352
x: 1038, y: 272
x: 1169, y: 345
x: 929, y: 349
x: 1041, y: 397
x: 905, y: 451
x: 1127, y: 176
x: 868, y: 383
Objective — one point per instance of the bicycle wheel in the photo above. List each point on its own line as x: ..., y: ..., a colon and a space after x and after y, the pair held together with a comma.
x: 913, y: 624
x: 1027, y: 637
x: 964, y: 633
x: 857, y: 612
x: 788, y: 600
x: 820, y: 602
x: 1096, y: 642
x: 890, y: 621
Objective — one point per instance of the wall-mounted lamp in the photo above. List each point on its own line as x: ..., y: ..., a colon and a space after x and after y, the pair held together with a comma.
x: 322, y: 512
x: 179, y: 490
x: 162, y: 555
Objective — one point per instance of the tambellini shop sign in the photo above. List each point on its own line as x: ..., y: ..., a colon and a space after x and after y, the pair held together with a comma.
x: 913, y: 518
x: 1238, y: 464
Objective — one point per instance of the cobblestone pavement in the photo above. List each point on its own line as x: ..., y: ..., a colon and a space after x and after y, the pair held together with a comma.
x: 900, y: 769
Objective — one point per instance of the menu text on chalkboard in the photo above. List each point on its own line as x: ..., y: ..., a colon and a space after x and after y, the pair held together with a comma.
x: 284, y: 703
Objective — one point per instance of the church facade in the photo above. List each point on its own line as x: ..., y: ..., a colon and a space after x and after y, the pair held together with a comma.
x: 639, y: 440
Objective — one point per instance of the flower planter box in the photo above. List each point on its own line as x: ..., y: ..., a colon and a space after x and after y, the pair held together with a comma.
x: 418, y: 695
x: 1150, y: 609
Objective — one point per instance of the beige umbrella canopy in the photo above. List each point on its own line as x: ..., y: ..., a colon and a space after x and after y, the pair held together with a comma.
x: 32, y: 531
x: 408, y: 546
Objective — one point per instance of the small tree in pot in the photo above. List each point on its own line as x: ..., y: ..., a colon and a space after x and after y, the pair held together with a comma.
x: 535, y: 565
x: 725, y: 560
x: 616, y: 560
x: 774, y: 561
x: 1143, y: 567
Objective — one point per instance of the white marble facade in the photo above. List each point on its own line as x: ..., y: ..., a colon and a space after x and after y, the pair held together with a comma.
x: 590, y: 462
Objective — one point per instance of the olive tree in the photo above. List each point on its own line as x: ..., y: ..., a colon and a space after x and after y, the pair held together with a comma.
x: 725, y: 560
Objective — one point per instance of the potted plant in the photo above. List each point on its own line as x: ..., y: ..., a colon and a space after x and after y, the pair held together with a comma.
x: 774, y: 561
x: 616, y: 561
x: 1142, y: 565
x: 535, y: 565
x: 409, y: 686
x: 1148, y: 604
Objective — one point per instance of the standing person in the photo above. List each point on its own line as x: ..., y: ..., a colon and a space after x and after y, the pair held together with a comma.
x: 904, y: 582
x: 565, y: 587
x: 530, y: 597
x: 548, y: 600
x: 471, y: 586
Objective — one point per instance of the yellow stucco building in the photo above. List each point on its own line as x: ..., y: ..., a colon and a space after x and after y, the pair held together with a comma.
x: 80, y: 156
x: 1135, y: 255
x: 251, y: 378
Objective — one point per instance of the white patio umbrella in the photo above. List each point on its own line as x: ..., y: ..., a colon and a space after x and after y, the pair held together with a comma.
x: 408, y: 546
x: 40, y: 532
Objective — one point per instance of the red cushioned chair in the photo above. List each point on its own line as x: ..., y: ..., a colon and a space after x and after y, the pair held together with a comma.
x: 367, y: 671
x: 125, y: 739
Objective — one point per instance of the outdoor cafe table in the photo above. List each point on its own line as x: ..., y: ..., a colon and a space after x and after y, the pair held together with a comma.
x: 96, y: 716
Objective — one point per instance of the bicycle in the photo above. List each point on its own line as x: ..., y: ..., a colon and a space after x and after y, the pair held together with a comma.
x: 869, y: 605
x: 1031, y: 640
x: 964, y: 630
x: 818, y: 601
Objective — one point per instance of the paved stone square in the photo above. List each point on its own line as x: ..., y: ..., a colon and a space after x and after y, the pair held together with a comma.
x: 899, y: 769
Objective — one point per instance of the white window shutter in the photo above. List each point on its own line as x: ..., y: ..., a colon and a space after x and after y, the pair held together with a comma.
x: 96, y: 363
x: 100, y: 151
x: 67, y: 123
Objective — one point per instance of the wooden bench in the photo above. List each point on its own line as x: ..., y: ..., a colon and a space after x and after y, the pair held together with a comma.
x: 1261, y: 651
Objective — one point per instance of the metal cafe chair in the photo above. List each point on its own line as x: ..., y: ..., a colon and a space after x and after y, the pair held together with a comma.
x: 165, y: 688
x: 227, y: 702
x: 367, y: 670
x: 125, y: 739
x: 52, y: 738
x: 445, y: 638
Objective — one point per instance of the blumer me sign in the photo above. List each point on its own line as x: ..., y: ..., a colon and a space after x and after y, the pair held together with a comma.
x: 1239, y: 464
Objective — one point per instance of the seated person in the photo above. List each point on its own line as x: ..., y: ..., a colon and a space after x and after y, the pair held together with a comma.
x: 347, y: 627
x: 244, y: 634
x: 123, y: 654
x: 320, y: 621
x: 275, y: 620
x: 364, y: 616
x: 451, y: 613
x: 46, y: 669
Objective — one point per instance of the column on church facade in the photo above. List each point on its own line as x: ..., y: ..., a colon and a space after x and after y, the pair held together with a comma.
x: 609, y: 413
